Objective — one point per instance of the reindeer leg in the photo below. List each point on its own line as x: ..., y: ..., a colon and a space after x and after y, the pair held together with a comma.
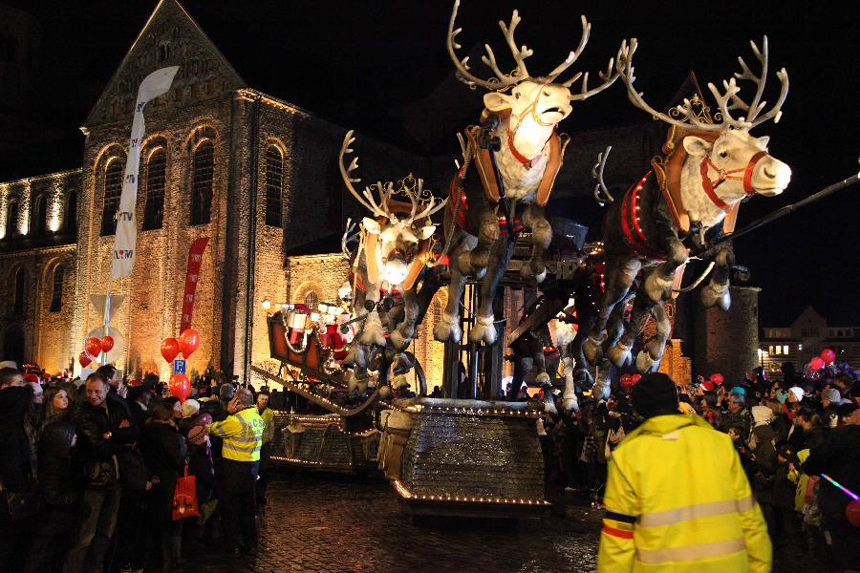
x: 402, y: 335
x: 474, y: 261
x: 540, y: 361
x: 621, y: 274
x: 602, y: 388
x: 648, y: 359
x: 448, y: 326
x: 484, y: 329
x: 372, y: 333
x: 533, y: 218
x: 569, y: 402
x: 358, y: 378
x: 717, y: 290
x: 658, y: 285
x: 620, y: 352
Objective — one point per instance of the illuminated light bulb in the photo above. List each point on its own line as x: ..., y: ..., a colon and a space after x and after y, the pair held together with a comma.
x: 267, y: 304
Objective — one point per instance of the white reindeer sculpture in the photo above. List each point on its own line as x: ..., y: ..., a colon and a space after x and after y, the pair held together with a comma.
x: 523, y: 124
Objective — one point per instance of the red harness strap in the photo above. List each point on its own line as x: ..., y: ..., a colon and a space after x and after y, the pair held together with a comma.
x: 630, y: 223
x: 709, y: 186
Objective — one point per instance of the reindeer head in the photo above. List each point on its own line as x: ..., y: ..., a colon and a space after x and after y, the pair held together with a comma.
x: 732, y: 163
x: 396, y: 237
x: 542, y: 101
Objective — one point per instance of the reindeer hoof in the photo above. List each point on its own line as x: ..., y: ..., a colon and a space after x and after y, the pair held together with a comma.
x: 357, y: 383
x: 646, y: 364
x: 373, y: 335
x: 385, y: 392
x: 448, y: 328
x: 601, y: 388
x: 582, y: 378
x: 542, y: 378
x: 619, y: 354
x: 570, y: 403
x: 592, y: 348
x: 658, y: 289
x: 399, y: 340
x: 533, y: 273
x: 712, y: 296
x: 483, y: 331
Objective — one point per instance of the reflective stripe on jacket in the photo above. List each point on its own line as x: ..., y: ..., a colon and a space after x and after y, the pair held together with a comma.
x: 677, y: 500
x: 243, y: 435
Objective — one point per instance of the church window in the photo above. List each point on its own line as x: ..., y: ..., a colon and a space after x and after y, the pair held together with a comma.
x: 112, y: 193
x: 41, y: 216
x: 203, y: 171
x: 20, y: 280
x: 57, y: 291
x: 12, y: 220
x: 71, y: 219
x: 163, y: 51
x: 156, y: 174
x: 274, y: 185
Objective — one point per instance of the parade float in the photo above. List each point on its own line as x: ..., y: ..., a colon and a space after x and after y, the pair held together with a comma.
x: 344, y: 364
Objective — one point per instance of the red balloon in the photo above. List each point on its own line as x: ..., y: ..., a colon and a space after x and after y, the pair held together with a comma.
x: 708, y: 386
x: 717, y: 378
x: 93, y: 347
x: 188, y: 342
x: 107, y: 343
x: 817, y: 363
x: 828, y: 355
x: 84, y: 359
x: 170, y: 349
x: 626, y: 381
x: 852, y: 512
x: 635, y: 378
x: 179, y: 386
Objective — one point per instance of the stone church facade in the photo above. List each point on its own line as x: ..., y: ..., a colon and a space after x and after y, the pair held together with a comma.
x: 255, y: 174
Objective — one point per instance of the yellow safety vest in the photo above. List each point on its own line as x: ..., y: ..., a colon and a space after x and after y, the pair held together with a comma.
x: 243, y: 435
x: 678, y: 500
x: 269, y: 419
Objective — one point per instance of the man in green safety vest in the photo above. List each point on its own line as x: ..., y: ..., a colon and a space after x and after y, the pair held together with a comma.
x: 242, y: 433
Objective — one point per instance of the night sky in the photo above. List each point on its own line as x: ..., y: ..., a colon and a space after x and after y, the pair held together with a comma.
x: 354, y: 62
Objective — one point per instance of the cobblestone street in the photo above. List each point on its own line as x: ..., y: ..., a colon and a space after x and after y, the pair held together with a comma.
x: 332, y: 523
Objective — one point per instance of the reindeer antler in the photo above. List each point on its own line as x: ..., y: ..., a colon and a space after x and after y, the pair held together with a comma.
x: 727, y: 101
x: 418, y: 197
x: 346, y: 173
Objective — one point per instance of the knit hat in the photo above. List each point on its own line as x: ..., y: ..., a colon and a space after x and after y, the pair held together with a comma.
x: 655, y: 395
x: 9, y: 364
x: 833, y: 395
x: 781, y: 395
x: 797, y: 391
x: 203, y: 419
x: 762, y: 414
x: 190, y: 407
x: 739, y: 390
x: 197, y: 435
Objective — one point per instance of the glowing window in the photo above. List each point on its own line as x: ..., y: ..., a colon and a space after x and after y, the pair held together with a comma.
x: 274, y: 184
x: 203, y: 171
x: 20, y: 281
x: 156, y: 175
x: 112, y: 193
x: 12, y: 220
x: 57, y: 292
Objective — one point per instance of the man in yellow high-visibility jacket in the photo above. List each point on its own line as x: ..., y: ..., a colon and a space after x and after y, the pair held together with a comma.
x: 677, y: 498
x: 242, y: 433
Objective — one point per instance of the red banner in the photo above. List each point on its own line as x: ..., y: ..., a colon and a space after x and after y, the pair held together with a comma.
x: 192, y: 277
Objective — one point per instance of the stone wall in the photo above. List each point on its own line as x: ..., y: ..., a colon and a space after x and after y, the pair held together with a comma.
x: 727, y: 342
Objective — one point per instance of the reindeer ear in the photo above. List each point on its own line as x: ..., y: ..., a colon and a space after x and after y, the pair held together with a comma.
x: 495, y: 101
x: 370, y: 225
x: 763, y: 141
x: 696, y: 146
x: 426, y: 232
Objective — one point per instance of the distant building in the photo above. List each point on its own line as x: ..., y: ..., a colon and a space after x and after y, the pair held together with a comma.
x: 805, y: 338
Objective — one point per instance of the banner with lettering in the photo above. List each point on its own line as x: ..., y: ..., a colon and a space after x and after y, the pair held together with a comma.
x: 192, y: 277
x: 125, y: 240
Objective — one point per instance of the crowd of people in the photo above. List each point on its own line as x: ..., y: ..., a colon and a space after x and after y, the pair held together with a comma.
x: 788, y: 433
x: 89, y: 472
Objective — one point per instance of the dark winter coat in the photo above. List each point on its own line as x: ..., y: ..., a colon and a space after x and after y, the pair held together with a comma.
x: 740, y: 419
x: 839, y: 457
x: 15, y: 452
x: 56, y: 485
x: 202, y: 467
x: 96, y: 454
x: 165, y: 453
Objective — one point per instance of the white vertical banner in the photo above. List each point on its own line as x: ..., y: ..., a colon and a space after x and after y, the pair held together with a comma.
x: 155, y: 84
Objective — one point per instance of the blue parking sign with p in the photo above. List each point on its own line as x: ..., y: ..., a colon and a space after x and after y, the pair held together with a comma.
x: 179, y: 366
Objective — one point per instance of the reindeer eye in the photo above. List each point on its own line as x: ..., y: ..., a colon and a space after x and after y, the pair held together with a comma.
x: 517, y: 95
x: 724, y: 154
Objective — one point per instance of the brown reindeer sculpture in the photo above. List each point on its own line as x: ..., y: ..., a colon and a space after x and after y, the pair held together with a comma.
x: 711, y: 166
x: 394, y: 247
x: 517, y: 154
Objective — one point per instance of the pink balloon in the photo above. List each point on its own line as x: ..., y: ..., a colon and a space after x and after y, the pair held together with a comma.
x: 817, y: 363
x: 828, y: 355
x: 180, y: 386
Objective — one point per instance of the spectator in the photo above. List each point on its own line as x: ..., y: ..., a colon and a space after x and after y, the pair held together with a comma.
x: 59, y: 494
x: 268, y: 418
x: 16, y: 474
x: 737, y: 414
x: 814, y: 430
x: 102, y: 427
x: 10, y: 377
x: 165, y: 452
x: 658, y: 514
x: 139, y: 399
x: 56, y: 405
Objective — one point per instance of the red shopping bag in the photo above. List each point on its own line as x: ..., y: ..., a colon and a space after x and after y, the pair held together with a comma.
x: 185, y: 497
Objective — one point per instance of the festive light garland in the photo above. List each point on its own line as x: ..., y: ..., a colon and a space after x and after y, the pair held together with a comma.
x: 406, y: 494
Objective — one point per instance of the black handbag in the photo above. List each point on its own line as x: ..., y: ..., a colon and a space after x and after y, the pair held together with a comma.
x: 20, y: 505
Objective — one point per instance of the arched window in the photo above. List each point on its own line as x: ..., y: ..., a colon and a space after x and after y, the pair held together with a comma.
x: 112, y: 193
x: 41, y: 214
x: 156, y: 173
x: 20, y: 280
x: 274, y: 184
x: 312, y: 300
x: 57, y: 292
x: 202, y: 173
x: 12, y: 220
x: 71, y: 220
